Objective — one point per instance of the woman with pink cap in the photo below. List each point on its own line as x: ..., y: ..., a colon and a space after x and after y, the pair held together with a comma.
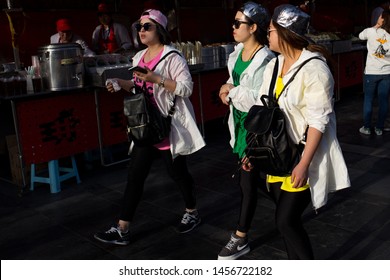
x: 171, y: 80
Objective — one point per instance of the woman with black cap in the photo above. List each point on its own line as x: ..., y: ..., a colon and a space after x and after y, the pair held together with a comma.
x: 308, y: 106
x: 246, y: 66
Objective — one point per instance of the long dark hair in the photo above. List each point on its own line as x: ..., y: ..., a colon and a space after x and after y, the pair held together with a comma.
x: 163, y: 34
x: 288, y: 40
x: 386, y: 20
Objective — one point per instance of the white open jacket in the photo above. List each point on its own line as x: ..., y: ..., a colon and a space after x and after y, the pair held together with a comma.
x: 244, y: 96
x: 308, y: 101
x: 185, y: 137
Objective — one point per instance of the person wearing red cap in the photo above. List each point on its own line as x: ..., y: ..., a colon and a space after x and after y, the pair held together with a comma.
x: 65, y: 35
x: 109, y: 36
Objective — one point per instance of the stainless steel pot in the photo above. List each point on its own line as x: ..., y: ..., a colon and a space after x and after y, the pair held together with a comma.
x: 61, y: 66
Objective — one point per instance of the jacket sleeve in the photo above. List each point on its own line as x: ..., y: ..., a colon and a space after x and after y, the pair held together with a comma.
x: 244, y: 96
x: 318, y: 94
x: 177, y: 70
x: 124, y: 39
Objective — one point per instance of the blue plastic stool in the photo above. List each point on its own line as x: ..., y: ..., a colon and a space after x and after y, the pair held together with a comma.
x: 55, y: 177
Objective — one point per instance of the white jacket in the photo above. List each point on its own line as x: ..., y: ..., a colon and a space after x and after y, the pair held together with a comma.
x: 244, y: 96
x: 55, y: 39
x: 185, y: 137
x: 308, y: 100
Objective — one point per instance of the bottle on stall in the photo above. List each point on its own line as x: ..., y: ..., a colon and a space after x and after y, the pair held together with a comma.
x: 37, y: 82
x: 21, y: 84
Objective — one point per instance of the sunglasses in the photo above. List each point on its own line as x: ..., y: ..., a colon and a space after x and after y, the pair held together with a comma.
x: 146, y: 26
x: 237, y: 23
x: 269, y: 30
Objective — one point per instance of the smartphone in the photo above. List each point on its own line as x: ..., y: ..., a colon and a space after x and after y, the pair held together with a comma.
x: 138, y: 69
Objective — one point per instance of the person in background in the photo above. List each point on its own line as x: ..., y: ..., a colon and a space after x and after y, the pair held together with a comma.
x: 246, y: 66
x: 109, y: 36
x: 377, y: 12
x: 66, y: 35
x: 376, y: 73
x: 307, y: 103
x: 170, y: 79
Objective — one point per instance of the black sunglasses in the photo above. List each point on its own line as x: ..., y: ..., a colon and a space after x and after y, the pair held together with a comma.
x: 146, y: 26
x: 237, y: 23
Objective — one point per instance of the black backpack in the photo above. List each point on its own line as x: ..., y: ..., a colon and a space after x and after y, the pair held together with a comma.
x: 145, y: 123
x: 269, y: 147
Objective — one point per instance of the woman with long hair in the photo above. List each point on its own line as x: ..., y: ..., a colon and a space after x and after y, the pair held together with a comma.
x: 307, y: 103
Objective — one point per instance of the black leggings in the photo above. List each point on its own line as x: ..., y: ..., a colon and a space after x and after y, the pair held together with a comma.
x: 249, y: 184
x: 289, y: 209
x: 140, y: 164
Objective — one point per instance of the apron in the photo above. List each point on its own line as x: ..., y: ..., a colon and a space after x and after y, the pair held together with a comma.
x: 108, y: 45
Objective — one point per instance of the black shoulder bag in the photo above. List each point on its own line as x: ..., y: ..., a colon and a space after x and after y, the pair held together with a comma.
x: 269, y: 147
x: 145, y: 123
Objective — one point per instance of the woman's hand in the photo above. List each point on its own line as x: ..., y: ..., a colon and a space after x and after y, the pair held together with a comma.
x: 246, y: 165
x: 149, y: 76
x: 299, y: 176
x: 123, y: 84
x: 224, y: 91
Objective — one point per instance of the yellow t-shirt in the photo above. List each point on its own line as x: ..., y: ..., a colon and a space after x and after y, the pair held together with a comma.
x: 287, y: 185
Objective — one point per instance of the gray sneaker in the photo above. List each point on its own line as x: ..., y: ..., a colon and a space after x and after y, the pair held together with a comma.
x: 113, y: 236
x: 189, y: 221
x: 235, y: 248
x: 365, y: 130
x: 378, y: 131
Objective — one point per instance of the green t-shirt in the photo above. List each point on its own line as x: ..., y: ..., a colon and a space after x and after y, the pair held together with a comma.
x: 238, y: 116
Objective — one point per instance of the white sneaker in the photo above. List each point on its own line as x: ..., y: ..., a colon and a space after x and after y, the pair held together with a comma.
x: 365, y: 130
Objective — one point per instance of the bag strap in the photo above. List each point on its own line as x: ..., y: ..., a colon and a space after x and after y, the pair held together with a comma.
x: 161, y: 59
x: 290, y: 80
x: 273, y: 80
x: 171, y: 111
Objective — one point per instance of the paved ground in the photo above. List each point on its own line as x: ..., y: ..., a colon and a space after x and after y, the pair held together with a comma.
x: 354, y: 225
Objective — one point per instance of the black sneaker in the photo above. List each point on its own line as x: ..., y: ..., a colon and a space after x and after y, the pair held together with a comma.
x: 113, y: 236
x: 235, y: 248
x: 189, y: 221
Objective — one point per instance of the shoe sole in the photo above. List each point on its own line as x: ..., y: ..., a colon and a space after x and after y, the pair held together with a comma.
x: 235, y: 256
x: 123, y: 243
x: 193, y: 226
x: 365, y: 133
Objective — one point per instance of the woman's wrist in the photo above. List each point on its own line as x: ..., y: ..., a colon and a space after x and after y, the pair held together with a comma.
x: 223, y: 93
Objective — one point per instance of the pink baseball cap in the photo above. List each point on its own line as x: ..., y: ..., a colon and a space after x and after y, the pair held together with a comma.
x: 157, y: 16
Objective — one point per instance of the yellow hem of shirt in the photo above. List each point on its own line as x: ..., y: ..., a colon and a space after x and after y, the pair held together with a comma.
x: 287, y: 185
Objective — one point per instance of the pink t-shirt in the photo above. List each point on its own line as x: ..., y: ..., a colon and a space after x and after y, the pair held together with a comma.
x: 164, y: 145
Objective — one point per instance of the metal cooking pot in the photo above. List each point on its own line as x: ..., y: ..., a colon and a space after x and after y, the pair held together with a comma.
x: 61, y: 66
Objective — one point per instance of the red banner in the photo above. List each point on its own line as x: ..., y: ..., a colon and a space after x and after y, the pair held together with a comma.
x: 56, y: 126
x: 112, y: 119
